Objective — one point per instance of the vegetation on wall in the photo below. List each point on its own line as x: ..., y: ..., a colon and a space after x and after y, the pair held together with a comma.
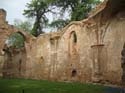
x: 15, y: 40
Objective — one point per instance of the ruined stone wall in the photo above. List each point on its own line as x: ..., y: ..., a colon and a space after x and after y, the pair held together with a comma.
x: 92, y: 55
x: 5, y: 31
x: 113, y: 42
x: 106, y: 51
x: 2, y: 16
x: 73, y: 56
x: 95, y: 57
x: 14, y: 65
x: 38, y: 65
x: 84, y: 51
x: 1, y: 65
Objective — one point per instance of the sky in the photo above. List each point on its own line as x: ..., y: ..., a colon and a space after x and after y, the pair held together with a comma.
x: 14, y: 9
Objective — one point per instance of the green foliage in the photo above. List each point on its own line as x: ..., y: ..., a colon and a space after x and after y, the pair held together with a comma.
x: 60, y: 23
x: 23, y: 25
x: 38, y: 9
x: 77, y: 9
x: 79, y: 13
x: 16, y: 40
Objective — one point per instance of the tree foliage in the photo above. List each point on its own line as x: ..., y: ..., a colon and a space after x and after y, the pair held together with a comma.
x: 23, y: 25
x: 16, y: 40
x: 38, y: 9
x: 58, y: 24
x: 78, y: 9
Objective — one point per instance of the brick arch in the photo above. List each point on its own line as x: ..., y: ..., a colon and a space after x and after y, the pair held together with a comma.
x: 23, y: 33
x: 5, y: 33
x: 74, y: 36
x: 72, y: 42
x: 70, y: 34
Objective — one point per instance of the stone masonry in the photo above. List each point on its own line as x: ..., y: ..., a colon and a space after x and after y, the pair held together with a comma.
x: 89, y: 50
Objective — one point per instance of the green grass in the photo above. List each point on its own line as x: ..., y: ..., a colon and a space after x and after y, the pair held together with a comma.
x: 40, y: 86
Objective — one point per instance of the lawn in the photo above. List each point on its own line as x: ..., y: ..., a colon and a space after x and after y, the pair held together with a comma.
x: 40, y: 86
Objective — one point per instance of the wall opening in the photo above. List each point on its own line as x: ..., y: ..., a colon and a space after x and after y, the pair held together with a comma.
x: 74, y: 72
x: 74, y: 37
x: 14, y: 52
x: 73, y: 43
x: 15, y: 40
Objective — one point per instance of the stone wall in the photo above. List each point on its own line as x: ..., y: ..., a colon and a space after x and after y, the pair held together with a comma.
x: 11, y: 60
x: 86, y: 51
x: 14, y: 65
x: 114, y: 41
x: 1, y: 65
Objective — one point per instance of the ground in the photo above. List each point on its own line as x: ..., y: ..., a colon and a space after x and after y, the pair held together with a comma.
x: 40, y: 86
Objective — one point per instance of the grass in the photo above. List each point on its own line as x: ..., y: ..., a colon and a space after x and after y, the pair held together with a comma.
x: 40, y: 86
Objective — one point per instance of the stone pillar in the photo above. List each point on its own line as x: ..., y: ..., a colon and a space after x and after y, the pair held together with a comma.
x: 96, y: 57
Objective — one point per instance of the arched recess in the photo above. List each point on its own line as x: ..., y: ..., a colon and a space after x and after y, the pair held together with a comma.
x: 74, y: 73
x: 5, y: 34
x: 74, y: 37
x: 73, y: 43
x: 74, y: 58
x: 14, y: 55
x: 15, y: 40
x: 22, y: 35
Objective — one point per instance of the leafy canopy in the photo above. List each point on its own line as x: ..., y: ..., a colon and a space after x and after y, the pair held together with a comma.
x: 23, y: 25
x: 39, y: 10
x: 16, y: 40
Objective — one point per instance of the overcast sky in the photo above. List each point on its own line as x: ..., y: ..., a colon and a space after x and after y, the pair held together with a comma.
x: 14, y: 9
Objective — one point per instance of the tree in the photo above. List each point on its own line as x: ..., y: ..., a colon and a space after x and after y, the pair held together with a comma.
x: 23, y: 25
x: 77, y: 9
x: 58, y: 24
x: 38, y: 9
x: 82, y: 9
x: 15, y: 40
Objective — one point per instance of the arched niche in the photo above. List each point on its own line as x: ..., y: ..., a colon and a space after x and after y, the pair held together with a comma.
x: 15, y: 40
x: 73, y: 43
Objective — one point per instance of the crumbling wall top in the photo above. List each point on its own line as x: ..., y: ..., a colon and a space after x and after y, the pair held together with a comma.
x: 2, y: 15
x: 98, y: 8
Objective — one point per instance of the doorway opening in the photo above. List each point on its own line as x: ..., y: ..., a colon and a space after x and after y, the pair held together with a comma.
x: 74, y: 72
